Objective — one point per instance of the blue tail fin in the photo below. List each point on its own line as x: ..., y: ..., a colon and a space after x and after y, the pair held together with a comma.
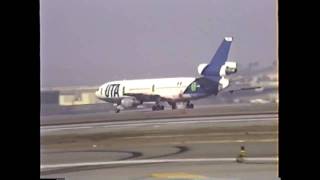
x: 219, y: 58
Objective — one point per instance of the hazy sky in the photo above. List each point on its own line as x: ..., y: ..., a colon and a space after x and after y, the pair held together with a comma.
x: 89, y: 42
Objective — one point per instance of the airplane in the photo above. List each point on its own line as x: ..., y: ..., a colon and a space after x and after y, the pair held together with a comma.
x: 128, y: 94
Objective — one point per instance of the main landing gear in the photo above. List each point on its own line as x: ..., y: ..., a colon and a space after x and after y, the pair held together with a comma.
x: 174, y: 105
x: 189, y: 105
x: 157, y: 107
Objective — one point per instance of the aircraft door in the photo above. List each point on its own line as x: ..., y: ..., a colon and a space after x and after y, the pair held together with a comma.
x: 153, y: 88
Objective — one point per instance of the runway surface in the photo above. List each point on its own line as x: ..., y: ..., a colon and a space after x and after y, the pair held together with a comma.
x: 156, y: 148
x: 138, y: 114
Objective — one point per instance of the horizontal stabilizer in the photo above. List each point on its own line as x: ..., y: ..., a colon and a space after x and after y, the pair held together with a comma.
x: 244, y: 89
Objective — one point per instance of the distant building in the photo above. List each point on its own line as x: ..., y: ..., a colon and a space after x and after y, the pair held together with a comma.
x: 49, y: 97
x: 78, y: 98
x: 68, y: 96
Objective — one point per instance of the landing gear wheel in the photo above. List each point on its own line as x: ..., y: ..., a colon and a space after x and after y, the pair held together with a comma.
x: 189, y: 105
x: 154, y: 108
x: 157, y: 107
x: 117, y: 110
x: 174, y: 106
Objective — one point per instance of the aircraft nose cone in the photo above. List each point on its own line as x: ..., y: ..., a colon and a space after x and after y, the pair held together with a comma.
x: 97, y: 93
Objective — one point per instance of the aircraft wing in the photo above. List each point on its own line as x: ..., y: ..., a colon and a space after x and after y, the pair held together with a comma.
x: 244, y: 89
x: 144, y: 97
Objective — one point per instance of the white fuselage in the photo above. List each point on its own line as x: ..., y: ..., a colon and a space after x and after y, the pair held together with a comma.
x: 169, y: 88
x: 131, y: 93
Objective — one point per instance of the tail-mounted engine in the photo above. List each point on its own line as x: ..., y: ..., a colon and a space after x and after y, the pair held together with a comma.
x: 223, y: 83
x: 228, y: 68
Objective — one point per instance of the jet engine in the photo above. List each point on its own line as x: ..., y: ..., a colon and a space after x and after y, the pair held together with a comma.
x: 130, y: 102
x: 228, y: 68
x: 223, y: 83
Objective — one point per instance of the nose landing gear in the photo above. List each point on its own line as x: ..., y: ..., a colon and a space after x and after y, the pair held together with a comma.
x: 118, y: 107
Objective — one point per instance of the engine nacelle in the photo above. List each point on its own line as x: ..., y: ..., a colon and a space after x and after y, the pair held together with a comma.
x: 201, y: 68
x: 129, y: 102
x: 223, y: 83
x: 228, y: 68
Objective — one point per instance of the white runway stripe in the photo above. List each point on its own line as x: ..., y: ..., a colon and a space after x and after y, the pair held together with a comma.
x: 146, y: 161
x: 196, y: 135
x: 224, y: 141
x: 161, y: 122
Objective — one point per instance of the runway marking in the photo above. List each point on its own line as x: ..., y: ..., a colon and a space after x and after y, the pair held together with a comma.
x: 198, y: 135
x: 147, y: 161
x: 177, y: 175
x: 69, y: 128
x: 193, y: 118
x: 175, y: 119
x: 190, y: 122
x: 223, y: 141
x: 156, y: 123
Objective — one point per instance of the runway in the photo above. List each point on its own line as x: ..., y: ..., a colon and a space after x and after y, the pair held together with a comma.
x: 139, y: 114
x: 145, y: 148
x: 168, y: 123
